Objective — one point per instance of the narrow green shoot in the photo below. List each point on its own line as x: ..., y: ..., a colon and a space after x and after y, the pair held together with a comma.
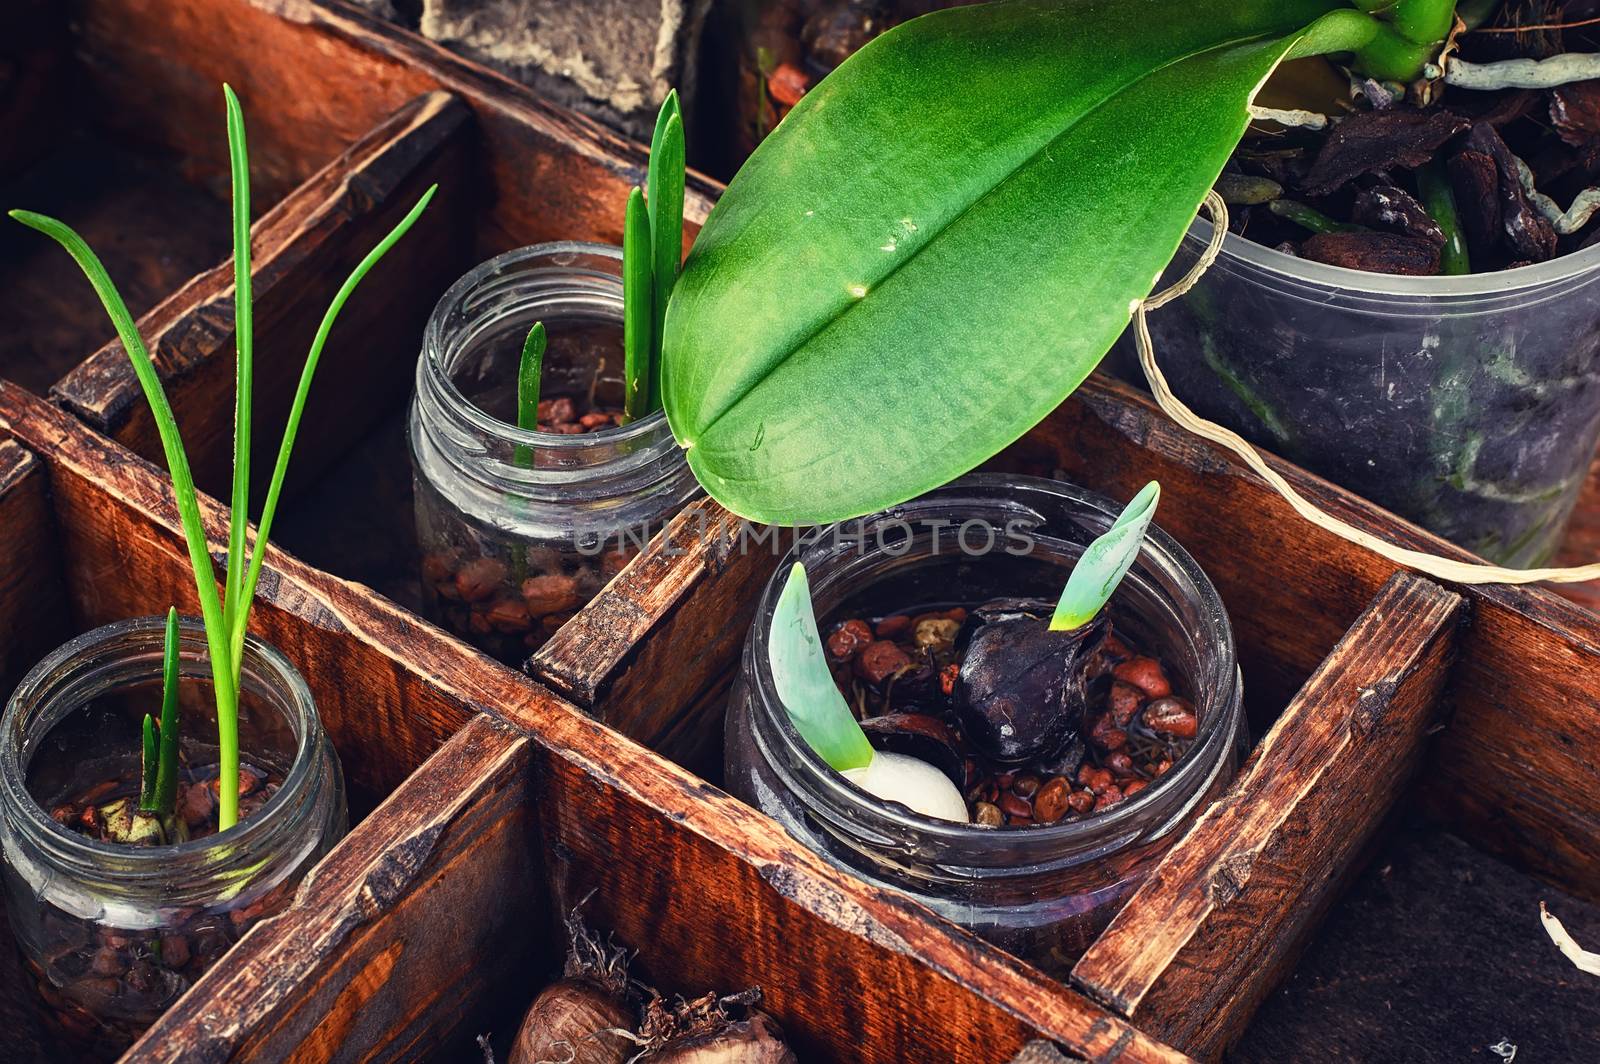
x: 638, y: 298
x: 225, y: 613
x: 665, y: 201
x: 149, y: 766
x: 1104, y: 563
x: 1309, y: 217
x: 805, y: 686
x: 529, y: 372
x: 1439, y: 199
x: 244, y: 355
x: 269, y: 507
x: 166, y: 789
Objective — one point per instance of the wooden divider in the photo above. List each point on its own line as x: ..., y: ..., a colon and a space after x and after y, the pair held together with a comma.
x: 401, y: 940
x: 651, y: 655
x: 1225, y: 914
x: 302, y: 251
x: 551, y: 174
x: 33, y: 608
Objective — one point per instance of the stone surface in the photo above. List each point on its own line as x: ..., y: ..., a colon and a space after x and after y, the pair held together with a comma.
x: 611, y: 59
x: 381, y: 8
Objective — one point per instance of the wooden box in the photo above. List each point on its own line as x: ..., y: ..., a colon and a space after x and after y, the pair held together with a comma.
x: 492, y: 801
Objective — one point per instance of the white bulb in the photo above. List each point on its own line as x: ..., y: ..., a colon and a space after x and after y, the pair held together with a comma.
x: 913, y: 783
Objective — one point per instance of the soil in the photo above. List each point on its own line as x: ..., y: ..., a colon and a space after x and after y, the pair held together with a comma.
x: 108, y: 811
x: 1356, y: 193
x: 900, y: 672
x: 508, y: 610
x: 1435, y: 955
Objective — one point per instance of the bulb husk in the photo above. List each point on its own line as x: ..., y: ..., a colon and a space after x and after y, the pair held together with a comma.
x: 575, y: 1021
x: 588, y: 1017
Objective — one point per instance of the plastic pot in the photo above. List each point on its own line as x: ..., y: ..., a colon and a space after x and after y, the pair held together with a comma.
x: 1470, y: 405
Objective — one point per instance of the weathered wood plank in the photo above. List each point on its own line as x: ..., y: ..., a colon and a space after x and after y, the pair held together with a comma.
x: 615, y: 816
x: 33, y: 603
x: 1229, y: 907
x: 123, y: 556
x: 302, y: 251
x: 397, y: 943
x: 551, y: 174
x: 644, y: 654
x: 713, y: 893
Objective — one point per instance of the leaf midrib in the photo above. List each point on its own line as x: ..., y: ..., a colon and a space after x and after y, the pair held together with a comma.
x: 846, y: 307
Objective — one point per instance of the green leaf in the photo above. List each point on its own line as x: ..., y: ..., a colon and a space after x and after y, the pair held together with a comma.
x: 946, y: 234
x: 666, y: 228
x: 225, y: 681
x: 805, y: 686
x: 1105, y: 562
x: 291, y: 429
x: 638, y: 297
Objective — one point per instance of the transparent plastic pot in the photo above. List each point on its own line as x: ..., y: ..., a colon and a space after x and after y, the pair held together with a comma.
x: 1470, y: 405
x: 1041, y: 892
x: 114, y: 933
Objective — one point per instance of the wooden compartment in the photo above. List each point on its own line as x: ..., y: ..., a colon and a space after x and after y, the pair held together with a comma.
x: 437, y: 914
x: 114, y: 130
x: 438, y: 917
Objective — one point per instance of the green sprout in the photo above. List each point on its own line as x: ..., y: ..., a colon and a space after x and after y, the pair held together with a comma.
x: 1309, y: 217
x: 1104, y: 563
x: 529, y: 371
x: 225, y: 615
x: 805, y: 686
x: 1439, y: 200
x: 652, y: 249
x: 159, y: 793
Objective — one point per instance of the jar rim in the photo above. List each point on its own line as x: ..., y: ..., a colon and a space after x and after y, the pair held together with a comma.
x: 1363, y: 283
x: 434, y: 350
x: 1216, y: 731
x: 290, y: 695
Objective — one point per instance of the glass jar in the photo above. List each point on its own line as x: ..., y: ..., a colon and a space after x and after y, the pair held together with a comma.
x: 113, y: 933
x: 1042, y: 892
x: 1470, y: 404
x: 518, y: 528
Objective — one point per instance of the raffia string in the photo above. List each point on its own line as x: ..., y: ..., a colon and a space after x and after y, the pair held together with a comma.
x: 1435, y: 565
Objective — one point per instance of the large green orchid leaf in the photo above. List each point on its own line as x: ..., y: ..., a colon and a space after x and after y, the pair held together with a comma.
x: 946, y: 234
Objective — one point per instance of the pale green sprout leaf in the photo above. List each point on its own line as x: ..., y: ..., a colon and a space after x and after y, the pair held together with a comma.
x: 148, y: 765
x: 1105, y: 562
x: 805, y: 686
